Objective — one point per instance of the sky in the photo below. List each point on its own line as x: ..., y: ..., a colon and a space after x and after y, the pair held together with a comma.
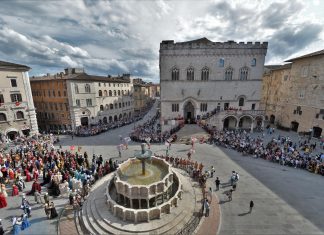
x: 123, y: 36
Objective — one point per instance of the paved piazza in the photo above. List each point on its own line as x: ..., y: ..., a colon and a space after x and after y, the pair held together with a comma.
x: 286, y: 200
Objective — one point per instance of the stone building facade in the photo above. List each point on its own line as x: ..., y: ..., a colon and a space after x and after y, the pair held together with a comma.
x: 73, y: 98
x: 17, y: 111
x: 199, y: 77
x: 301, y: 103
x: 99, y: 99
x: 142, y: 95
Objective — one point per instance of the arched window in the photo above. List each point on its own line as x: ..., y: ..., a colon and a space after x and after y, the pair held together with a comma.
x: 190, y: 74
x: 111, y: 106
x: 115, y: 118
x: 107, y: 107
x: 120, y: 105
x: 105, y: 93
x: 100, y: 93
x: 105, y: 120
x: 118, y: 92
x: 221, y: 62
x: 87, y: 88
x: 76, y: 88
x: 244, y: 72
x: 20, y: 115
x: 241, y: 102
x: 101, y: 107
x: 115, y: 93
x: 3, y: 117
x: 110, y: 119
x: 205, y: 74
x: 229, y: 73
x: 253, y: 62
x: 116, y: 106
x: 110, y: 93
x: 175, y: 74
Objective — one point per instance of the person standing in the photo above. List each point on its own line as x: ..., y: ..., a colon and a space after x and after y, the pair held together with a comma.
x: 251, y: 206
x: 207, y: 208
x: 217, y: 182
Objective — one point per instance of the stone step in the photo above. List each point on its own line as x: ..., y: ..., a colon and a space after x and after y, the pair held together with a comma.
x: 85, y: 218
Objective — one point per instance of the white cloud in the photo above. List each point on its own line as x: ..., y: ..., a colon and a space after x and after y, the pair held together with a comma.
x: 111, y: 37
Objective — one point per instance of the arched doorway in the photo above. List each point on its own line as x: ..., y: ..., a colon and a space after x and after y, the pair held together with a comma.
x: 84, y: 121
x: 189, y: 112
x: 272, y: 119
x: 317, y: 132
x: 12, y: 135
x: 294, y: 126
x: 230, y: 122
x: 105, y: 120
x: 245, y: 122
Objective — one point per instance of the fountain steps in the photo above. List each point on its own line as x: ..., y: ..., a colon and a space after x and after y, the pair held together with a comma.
x: 97, y: 219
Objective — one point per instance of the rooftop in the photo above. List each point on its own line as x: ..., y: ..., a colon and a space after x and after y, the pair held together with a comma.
x: 278, y: 67
x: 8, y: 65
x: 316, y: 53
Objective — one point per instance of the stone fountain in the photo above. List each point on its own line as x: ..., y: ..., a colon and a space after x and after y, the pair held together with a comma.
x: 144, y: 187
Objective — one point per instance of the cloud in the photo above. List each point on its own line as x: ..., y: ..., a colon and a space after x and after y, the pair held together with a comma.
x: 114, y: 37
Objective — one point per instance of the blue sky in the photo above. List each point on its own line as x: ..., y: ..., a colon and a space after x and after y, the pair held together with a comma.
x: 115, y: 37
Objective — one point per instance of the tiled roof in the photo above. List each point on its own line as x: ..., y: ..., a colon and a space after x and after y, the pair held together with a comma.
x: 316, y: 53
x: 278, y: 67
x: 82, y: 77
x: 4, y: 64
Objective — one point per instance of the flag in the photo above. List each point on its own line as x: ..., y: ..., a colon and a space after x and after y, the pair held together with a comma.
x: 72, y: 147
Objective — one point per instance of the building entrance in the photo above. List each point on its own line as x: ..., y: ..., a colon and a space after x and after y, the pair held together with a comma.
x: 84, y: 121
x: 189, y: 113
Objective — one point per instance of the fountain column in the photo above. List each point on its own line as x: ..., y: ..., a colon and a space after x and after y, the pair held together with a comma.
x: 131, y: 203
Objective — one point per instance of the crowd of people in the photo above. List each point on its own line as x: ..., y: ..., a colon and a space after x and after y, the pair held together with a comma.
x: 66, y: 173
x: 150, y: 131
x: 280, y: 149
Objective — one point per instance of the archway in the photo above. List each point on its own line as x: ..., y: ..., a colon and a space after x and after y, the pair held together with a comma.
x: 317, y: 132
x: 294, y: 126
x: 230, y: 122
x: 272, y: 119
x: 245, y: 122
x: 84, y: 121
x: 189, y: 112
x: 12, y: 135
x: 105, y: 120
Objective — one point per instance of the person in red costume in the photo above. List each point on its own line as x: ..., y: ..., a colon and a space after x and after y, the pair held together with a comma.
x: 28, y: 176
x: 36, y: 174
x: 35, y: 187
x: 3, y: 201
x: 15, y: 190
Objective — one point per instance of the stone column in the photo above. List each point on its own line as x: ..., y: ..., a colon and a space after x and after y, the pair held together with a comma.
x: 252, y: 126
x: 148, y: 203
x: 139, y: 204
x: 131, y: 203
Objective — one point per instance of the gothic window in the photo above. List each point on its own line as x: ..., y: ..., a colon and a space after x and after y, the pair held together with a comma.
x: 110, y: 93
x: 115, y: 93
x: 221, y: 62
x: 175, y: 74
x: 105, y: 92
x: 253, y: 62
x: 175, y: 107
x: 101, y: 107
x: 241, y: 102
x: 111, y: 106
x: 87, y: 88
x: 244, y: 72
x: 190, y: 74
x: 3, y: 117
x: 229, y: 74
x: 205, y: 74
x: 20, y: 115
x: 100, y: 93
x: 203, y: 107
x: 118, y: 92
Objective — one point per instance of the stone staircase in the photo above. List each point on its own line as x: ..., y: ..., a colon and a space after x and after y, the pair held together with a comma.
x: 95, y: 218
